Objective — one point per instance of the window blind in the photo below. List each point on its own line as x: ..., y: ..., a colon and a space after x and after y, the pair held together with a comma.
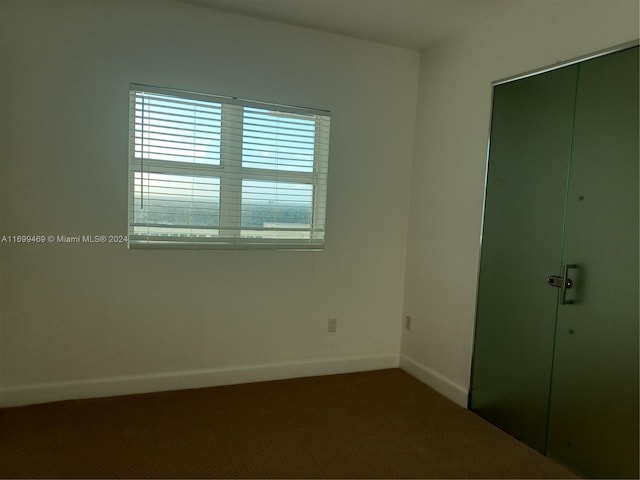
x: 220, y: 172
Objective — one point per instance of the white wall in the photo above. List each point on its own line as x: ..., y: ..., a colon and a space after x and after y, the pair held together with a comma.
x: 449, y: 167
x: 82, y: 320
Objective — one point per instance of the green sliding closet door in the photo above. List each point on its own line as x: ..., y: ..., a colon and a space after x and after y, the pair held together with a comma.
x: 521, y: 246
x: 556, y: 359
x: 594, y: 403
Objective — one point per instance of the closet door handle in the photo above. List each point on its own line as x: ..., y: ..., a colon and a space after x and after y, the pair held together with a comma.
x: 566, y: 283
x: 563, y: 283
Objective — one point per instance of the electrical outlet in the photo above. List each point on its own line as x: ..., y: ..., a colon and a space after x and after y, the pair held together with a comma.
x: 332, y: 324
x: 407, y: 322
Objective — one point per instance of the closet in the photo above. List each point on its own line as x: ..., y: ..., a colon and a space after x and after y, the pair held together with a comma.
x: 555, y: 359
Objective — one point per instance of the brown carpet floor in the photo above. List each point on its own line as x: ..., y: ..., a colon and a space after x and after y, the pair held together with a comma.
x: 380, y: 424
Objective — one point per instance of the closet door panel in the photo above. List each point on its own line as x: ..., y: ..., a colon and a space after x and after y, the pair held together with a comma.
x: 593, y: 423
x: 521, y: 246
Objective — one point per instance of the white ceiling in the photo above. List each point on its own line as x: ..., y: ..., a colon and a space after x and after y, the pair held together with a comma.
x: 414, y: 24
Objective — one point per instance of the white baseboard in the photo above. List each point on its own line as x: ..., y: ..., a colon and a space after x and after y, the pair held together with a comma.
x: 106, y: 387
x: 435, y: 380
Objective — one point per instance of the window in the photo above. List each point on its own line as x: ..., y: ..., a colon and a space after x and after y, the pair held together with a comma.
x: 216, y: 172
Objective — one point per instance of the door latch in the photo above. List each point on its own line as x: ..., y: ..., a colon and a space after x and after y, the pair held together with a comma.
x: 555, y: 281
x: 563, y: 283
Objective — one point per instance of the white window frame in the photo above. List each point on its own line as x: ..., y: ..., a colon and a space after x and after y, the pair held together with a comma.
x: 231, y: 172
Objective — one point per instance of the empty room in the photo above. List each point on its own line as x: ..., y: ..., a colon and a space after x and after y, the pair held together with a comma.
x: 319, y: 238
